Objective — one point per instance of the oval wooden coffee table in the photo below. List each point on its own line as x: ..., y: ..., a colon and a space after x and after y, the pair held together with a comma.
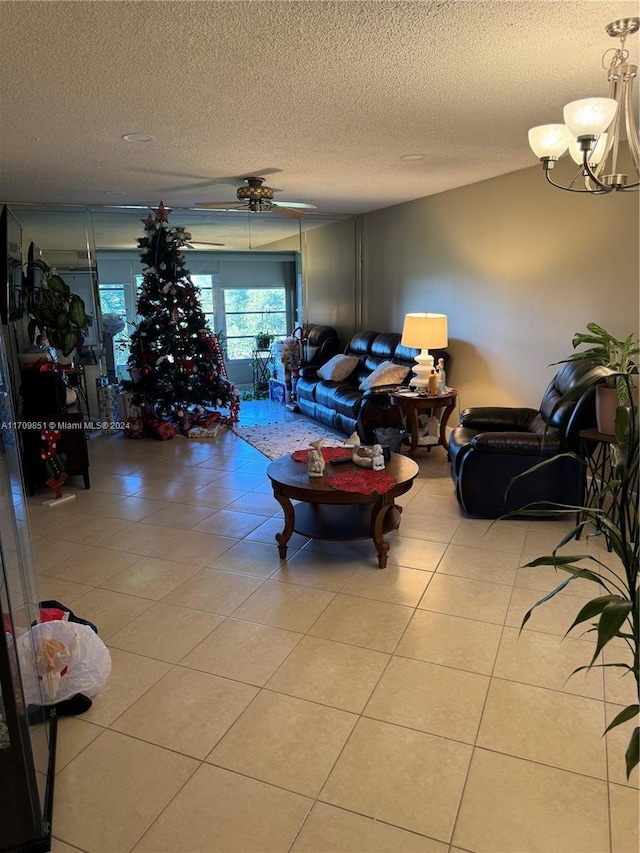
x: 328, y: 513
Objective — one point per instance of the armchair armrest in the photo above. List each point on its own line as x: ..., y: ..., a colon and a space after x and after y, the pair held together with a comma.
x: 497, y: 418
x: 381, y: 390
x: 519, y: 443
x: 308, y: 372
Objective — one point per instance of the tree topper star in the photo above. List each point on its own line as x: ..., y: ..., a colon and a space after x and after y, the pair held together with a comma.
x: 162, y: 212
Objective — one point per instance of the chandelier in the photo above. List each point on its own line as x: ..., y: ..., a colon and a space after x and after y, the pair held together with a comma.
x: 594, y: 127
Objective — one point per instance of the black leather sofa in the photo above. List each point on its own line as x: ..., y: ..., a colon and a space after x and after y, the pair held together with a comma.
x: 341, y: 405
x: 492, y: 445
x: 319, y: 344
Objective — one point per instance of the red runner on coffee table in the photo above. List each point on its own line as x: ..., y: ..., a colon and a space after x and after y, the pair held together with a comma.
x: 364, y: 481
x: 329, y: 454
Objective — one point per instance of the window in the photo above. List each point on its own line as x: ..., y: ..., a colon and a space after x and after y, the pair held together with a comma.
x: 249, y: 310
x: 117, y: 299
x: 240, y: 295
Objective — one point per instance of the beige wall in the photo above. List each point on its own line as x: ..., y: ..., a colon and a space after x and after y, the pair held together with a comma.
x: 331, y: 294
x: 517, y: 266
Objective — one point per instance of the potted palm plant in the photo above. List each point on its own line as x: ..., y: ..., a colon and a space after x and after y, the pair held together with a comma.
x: 614, y: 614
x: 56, y: 311
x: 620, y: 357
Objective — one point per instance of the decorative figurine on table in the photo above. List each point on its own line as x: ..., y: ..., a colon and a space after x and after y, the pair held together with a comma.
x: 365, y: 457
x: 378, y: 458
x: 315, y: 459
x: 441, y: 388
x: 54, y: 465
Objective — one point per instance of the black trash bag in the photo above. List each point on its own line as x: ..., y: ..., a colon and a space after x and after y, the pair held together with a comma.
x: 390, y: 439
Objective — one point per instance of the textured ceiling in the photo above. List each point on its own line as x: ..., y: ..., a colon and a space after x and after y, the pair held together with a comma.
x: 323, y: 98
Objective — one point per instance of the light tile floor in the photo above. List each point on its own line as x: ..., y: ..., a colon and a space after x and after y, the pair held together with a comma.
x: 320, y: 704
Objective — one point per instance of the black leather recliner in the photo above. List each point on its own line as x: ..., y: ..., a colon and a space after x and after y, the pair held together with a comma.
x: 320, y: 343
x: 494, y: 444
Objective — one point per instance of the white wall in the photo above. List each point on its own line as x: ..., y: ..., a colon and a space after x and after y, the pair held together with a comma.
x: 517, y: 266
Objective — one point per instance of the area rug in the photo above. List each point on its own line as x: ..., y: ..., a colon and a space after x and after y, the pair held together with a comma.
x: 276, y: 439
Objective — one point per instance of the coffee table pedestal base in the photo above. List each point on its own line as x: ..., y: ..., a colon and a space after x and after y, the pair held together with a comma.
x: 339, y: 523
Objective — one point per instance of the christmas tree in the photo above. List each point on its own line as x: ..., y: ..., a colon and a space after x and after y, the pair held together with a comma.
x: 175, y: 362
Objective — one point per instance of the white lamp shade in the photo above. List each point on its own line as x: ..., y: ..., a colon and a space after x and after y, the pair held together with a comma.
x: 594, y: 156
x: 425, y: 331
x: 549, y: 140
x: 590, y: 116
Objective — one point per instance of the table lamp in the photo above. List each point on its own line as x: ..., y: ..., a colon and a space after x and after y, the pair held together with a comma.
x: 424, y: 331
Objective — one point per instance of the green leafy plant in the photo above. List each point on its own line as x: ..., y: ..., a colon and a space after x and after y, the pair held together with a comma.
x: 605, y: 350
x: 264, y: 339
x: 612, y: 512
x: 54, y: 309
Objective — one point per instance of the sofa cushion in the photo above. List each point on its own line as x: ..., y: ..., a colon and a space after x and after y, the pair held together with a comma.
x: 336, y: 395
x: 338, y: 367
x: 384, y: 345
x: 360, y: 343
x: 347, y: 400
x: 386, y: 373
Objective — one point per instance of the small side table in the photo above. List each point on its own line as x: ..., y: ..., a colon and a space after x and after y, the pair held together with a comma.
x: 412, y: 405
x: 595, y: 445
x: 260, y: 361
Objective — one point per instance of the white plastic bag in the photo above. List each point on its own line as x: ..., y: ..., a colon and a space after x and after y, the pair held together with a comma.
x: 59, y: 659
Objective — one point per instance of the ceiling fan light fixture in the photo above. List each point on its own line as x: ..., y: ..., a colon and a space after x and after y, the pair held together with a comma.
x: 258, y: 196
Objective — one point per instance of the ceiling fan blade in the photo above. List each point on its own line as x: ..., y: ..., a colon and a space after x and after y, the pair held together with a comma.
x: 177, y: 187
x: 282, y: 209
x: 291, y: 212
x: 195, y: 244
x: 301, y: 205
x: 221, y: 205
x: 257, y: 172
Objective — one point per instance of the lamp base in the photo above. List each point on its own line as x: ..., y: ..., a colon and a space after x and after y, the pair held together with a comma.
x: 422, y: 370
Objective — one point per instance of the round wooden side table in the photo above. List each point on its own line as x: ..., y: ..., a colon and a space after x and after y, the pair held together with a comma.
x: 411, y: 405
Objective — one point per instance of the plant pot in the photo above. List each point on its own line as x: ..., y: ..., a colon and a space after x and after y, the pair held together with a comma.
x: 66, y: 359
x: 263, y: 341
x: 606, y: 405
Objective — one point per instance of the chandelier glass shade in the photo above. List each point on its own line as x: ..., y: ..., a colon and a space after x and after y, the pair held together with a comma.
x: 594, y: 128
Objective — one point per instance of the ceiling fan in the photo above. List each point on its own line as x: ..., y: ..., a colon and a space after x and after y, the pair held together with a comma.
x: 258, y: 198
x: 200, y: 244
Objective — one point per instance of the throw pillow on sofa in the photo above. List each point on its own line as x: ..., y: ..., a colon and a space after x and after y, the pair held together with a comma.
x: 338, y: 367
x: 386, y: 373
